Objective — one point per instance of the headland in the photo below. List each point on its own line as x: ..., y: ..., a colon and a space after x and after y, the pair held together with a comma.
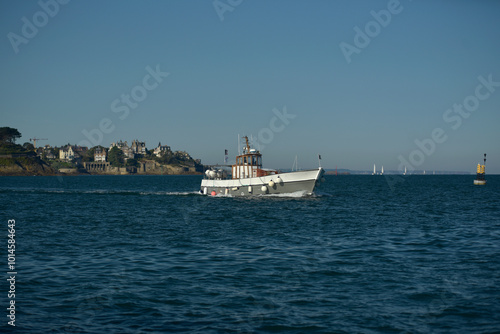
x: 119, y: 158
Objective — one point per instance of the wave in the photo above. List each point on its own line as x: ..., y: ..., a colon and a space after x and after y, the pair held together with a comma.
x: 99, y: 192
x: 296, y: 194
x: 172, y: 193
x: 124, y: 192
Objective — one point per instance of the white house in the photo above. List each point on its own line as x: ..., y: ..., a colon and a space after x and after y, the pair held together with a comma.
x: 66, y: 153
x: 158, y: 151
x: 100, y: 155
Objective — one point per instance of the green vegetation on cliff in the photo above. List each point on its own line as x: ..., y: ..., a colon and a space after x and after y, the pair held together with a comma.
x: 16, y: 159
x: 24, y: 165
x: 116, y: 157
x: 9, y: 135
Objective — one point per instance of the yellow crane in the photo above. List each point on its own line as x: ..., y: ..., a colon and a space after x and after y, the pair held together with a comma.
x: 35, y: 139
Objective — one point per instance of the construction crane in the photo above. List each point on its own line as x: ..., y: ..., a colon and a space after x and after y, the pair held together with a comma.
x: 35, y: 139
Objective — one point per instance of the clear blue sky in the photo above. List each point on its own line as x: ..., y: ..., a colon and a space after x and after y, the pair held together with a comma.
x: 227, y: 76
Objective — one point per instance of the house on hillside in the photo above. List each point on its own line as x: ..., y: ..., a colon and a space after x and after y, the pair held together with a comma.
x: 46, y: 152
x: 72, y: 152
x: 127, y: 151
x: 161, y: 149
x: 49, y: 154
x: 182, y: 155
x: 80, y: 150
x: 138, y: 147
x: 100, y: 154
x: 66, y: 153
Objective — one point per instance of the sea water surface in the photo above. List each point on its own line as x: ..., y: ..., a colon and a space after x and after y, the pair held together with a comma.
x: 148, y: 254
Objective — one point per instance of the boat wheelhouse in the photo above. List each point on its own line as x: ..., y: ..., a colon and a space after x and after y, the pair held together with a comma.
x: 249, y: 164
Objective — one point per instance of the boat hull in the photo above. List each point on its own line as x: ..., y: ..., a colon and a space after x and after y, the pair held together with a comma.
x: 480, y: 182
x: 283, y: 183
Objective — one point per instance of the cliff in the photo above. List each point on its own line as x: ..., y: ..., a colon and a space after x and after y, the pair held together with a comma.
x: 145, y: 167
x: 24, y: 165
x: 15, y: 160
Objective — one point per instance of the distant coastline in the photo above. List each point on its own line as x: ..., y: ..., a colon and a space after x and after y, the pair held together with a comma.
x: 25, y: 165
x: 394, y: 172
x: 119, y: 159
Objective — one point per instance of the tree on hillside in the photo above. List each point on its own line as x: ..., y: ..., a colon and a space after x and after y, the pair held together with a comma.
x: 56, y: 150
x: 165, y: 158
x: 9, y: 135
x: 116, y: 157
x: 89, y: 155
x: 28, y: 146
x: 149, y: 155
x: 132, y: 162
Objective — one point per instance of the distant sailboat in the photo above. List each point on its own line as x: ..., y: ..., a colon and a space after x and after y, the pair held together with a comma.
x: 405, y: 171
x: 374, y: 170
x: 382, y: 172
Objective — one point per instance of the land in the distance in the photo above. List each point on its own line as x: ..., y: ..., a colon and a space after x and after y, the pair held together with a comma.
x: 118, y: 159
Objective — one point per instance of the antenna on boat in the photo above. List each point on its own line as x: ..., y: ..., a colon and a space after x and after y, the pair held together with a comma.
x: 319, y: 160
x: 239, y: 141
x: 295, y: 164
x: 253, y: 142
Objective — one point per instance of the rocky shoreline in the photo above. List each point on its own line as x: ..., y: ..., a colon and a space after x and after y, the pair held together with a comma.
x: 33, y: 166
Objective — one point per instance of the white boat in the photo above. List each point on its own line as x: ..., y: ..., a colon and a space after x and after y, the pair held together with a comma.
x: 248, y: 178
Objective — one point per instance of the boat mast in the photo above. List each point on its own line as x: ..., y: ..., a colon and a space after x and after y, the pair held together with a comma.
x: 295, y: 164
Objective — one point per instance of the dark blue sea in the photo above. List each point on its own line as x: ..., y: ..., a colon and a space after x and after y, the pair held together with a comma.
x: 148, y: 254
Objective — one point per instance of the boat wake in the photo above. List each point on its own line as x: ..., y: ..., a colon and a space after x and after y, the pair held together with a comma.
x: 172, y: 193
x: 100, y: 192
x: 296, y: 194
